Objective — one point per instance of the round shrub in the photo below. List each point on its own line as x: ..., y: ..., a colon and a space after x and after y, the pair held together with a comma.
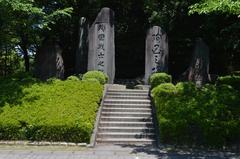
x: 94, y: 80
x: 100, y: 76
x: 159, y: 78
x: 73, y: 78
x: 164, y: 89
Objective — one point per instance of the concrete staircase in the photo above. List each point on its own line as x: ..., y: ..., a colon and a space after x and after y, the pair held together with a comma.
x: 126, y: 118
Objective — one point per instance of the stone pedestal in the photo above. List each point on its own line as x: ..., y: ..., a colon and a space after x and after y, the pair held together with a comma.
x: 156, y: 59
x: 101, y: 54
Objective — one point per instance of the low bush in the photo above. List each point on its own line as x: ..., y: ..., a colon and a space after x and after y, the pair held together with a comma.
x: 100, y: 76
x: 159, y: 78
x: 231, y: 80
x: 188, y: 115
x: 52, y: 111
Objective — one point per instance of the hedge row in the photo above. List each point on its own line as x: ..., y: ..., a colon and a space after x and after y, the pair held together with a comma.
x: 51, y: 111
x: 209, y: 116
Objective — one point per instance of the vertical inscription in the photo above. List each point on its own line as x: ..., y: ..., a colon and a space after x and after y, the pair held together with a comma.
x: 101, y: 46
x: 157, y: 51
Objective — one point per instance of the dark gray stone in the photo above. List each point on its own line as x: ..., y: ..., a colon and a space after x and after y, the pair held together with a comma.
x: 198, y: 72
x: 156, y: 58
x: 49, y: 61
x: 101, y: 55
x: 82, y: 50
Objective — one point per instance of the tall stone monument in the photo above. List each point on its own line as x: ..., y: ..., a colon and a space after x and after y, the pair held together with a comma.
x: 198, y: 72
x: 49, y: 60
x: 101, y: 55
x: 81, y: 57
x: 156, y: 53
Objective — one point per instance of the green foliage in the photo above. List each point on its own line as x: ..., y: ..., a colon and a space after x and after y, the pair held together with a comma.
x: 223, y: 6
x: 208, y: 116
x: 159, y: 78
x: 98, y: 75
x: 231, y: 80
x: 53, y: 111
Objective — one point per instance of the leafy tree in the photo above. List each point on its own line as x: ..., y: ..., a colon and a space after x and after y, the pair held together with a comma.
x: 220, y: 6
x: 25, y: 20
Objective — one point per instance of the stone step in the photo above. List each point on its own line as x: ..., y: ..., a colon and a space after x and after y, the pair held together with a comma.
x: 126, y: 119
x: 125, y: 124
x: 127, y: 129
x: 129, y: 90
x: 128, y: 101
x: 128, y: 93
x: 126, y: 109
x: 122, y: 105
x: 128, y: 114
x: 126, y: 97
x: 131, y: 141
x: 125, y: 135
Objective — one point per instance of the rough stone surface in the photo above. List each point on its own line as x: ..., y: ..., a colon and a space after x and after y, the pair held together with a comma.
x: 49, y: 61
x: 198, y: 71
x: 156, y: 58
x: 101, y: 54
x: 82, y: 50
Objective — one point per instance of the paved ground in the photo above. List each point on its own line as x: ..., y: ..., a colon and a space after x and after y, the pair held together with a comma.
x: 106, y: 152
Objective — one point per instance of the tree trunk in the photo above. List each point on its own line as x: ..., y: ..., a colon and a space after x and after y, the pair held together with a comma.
x: 26, y: 58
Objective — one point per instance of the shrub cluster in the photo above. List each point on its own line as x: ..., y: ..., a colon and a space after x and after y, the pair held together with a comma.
x: 96, y: 76
x: 52, y: 111
x: 159, y: 78
x: 232, y: 80
x: 208, y: 116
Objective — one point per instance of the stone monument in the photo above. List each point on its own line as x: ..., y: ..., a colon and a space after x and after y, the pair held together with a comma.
x: 156, y: 53
x: 81, y: 57
x: 101, y: 55
x: 49, y: 60
x: 198, y: 72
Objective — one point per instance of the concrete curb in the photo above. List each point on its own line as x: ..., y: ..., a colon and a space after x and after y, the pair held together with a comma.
x: 42, y: 143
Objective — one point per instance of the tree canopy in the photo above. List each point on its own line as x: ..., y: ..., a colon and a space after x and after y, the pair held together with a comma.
x: 24, y: 24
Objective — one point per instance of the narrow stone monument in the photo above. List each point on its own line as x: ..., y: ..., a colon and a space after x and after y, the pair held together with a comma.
x: 101, y: 55
x: 198, y: 72
x: 82, y: 50
x: 156, y: 56
x: 49, y: 61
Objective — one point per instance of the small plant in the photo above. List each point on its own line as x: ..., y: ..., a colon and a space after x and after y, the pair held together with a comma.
x: 159, y: 78
x: 100, y: 76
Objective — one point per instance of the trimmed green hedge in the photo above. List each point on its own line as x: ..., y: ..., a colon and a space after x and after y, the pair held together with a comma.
x: 209, y: 116
x: 159, y: 78
x: 98, y: 75
x: 232, y: 80
x: 52, y: 111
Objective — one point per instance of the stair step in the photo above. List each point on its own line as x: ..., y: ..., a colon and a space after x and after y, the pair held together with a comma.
x: 129, y: 101
x: 126, y: 109
x: 126, y: 124
x: 128, y: 93
x: 129, y: 119
x: 129, y: 90
x: 128, y: 114
x: 122, y: 105
x: 126, y: 141
x: 125, y: 135
x: 126, y: 129
x: 126, y: 97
